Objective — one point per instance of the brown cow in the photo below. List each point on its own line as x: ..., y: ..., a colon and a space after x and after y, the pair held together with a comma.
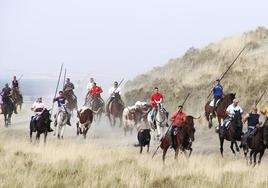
x: 85, y: 118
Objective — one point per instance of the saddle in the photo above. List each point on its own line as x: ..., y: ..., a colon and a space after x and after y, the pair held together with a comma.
x: 217, y: 103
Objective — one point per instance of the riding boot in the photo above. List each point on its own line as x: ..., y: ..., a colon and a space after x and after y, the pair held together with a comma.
x: 68, y: 120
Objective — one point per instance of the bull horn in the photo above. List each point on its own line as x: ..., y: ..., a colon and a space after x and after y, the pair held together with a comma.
x: 197, y: 117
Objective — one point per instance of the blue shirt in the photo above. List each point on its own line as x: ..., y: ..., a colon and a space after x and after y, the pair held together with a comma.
x: 218, y: 90
x: 61, y: 101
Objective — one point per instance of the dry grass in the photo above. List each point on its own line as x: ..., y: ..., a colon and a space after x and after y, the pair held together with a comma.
x: 86, y: 164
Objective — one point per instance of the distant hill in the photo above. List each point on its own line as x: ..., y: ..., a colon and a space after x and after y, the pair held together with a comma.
x: 196, y: 70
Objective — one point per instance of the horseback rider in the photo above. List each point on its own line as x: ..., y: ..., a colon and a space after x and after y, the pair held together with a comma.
x: 90, y: 84
x: 217, y: 92
x: 95, y: 92
x: 7, y: 95
x: 15, y: 83
x: 62, y: 101
x: 264, y: 112
x: 230, y: 111
x: 253, y: 119
x: 112, y: 91
x: 69, y: 87
x: 177, y: 119
x: 155, y: 98
x: 38, y: 107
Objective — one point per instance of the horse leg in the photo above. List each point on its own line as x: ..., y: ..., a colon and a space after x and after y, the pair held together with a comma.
x: 141, y: 147
x: 190, y: 152
x: 221, y: 145
x: 45, y: 137
x: 236, y: 146
x: 58, y: 131
x: 261, y: 154
x: 255, y: 158
x: 250, y: 156
x: 210, y: 124
x: 158, y: 131
x: 9, y: 118
x: 148, y: 148
x: 232, y: 147
x: 164, y: 155
x: 31, y: 136
x: 62, y: 131
x: 38, y: 137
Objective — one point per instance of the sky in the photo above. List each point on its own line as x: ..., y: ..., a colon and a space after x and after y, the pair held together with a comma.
x: 113, y: 39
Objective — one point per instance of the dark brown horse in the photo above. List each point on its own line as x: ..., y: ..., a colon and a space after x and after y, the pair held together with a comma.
x: 258, y: 143
x: 220, y: 110
x: 7, y: 109
x: 41, y: 125
x: 97, y: 105
x: 185, y: 132
x: 116, y: 109
x: 232, y: 133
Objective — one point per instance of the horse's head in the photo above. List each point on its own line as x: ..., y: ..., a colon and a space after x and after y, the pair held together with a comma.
x: 190, y: 127
x: 237, y: 118
x: 46, y: 116
x: 160, y: 106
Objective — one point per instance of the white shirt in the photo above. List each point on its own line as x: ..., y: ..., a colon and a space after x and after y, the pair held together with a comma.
x: 37, y: 105
x: 231, y: 109
x: 113, y: 90
x: 89, y: 85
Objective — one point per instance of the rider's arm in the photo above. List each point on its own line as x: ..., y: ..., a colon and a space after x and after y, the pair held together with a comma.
x: 245, y: 118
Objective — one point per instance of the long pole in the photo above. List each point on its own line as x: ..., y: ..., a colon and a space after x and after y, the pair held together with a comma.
x: 115, y: 89
x: 64, y: 78
x: 57, y: 87
x: 259, y: 100
x: 229, y: 67
x: 172, y: 122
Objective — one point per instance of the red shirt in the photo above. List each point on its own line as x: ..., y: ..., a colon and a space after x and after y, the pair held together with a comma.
x: 156, y: 97
x: 95, y: 91
x: 178, y: 118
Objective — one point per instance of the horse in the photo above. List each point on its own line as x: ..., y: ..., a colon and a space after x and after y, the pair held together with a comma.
x: 232, y: 132
x: 17, y: 97
x: 61, y: 119
x: 85, y: 118
x: 185, y: 132
x: 42, y: 125
x: 72, y: 100
x: 160, y: 122
x: 258, y: 144
x: 220, y: 109
x: 7, y: 109
x: 116, y: 109
x: 97, y: 106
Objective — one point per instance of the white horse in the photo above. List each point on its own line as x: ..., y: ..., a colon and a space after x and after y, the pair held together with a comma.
x: 61, y: 119
x: 159, y: 123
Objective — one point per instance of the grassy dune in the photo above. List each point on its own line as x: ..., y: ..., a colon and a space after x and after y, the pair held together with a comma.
x: 72, y: 163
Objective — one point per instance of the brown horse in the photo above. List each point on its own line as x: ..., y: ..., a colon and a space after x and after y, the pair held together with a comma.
x: 232, y: 133
x: 7, y: 109
x: 72, y: 100
x: 258, y: 143
x: 220, y: 110
x: 116, y: 109
x: 184, y: 132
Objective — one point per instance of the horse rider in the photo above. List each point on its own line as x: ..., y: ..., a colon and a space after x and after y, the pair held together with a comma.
x: 264, y: 112
x: 253, y: 119
x: 230, y: 111
x: 112, y: 91
x: 177, y: 119
x: 15, y: 83
x: 69, y: 87
x: 95, y: 92
x: 62, y: 101
x: 38, y: 107
x: 7, y: 95
x: 90, y: 84
x: 217, y: 92
x: 156, y: 97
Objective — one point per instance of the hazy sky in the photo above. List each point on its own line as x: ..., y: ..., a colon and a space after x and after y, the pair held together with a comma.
x: 114, y: 38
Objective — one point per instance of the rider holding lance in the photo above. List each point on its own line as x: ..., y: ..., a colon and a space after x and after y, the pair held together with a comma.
x: 62, y: 101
